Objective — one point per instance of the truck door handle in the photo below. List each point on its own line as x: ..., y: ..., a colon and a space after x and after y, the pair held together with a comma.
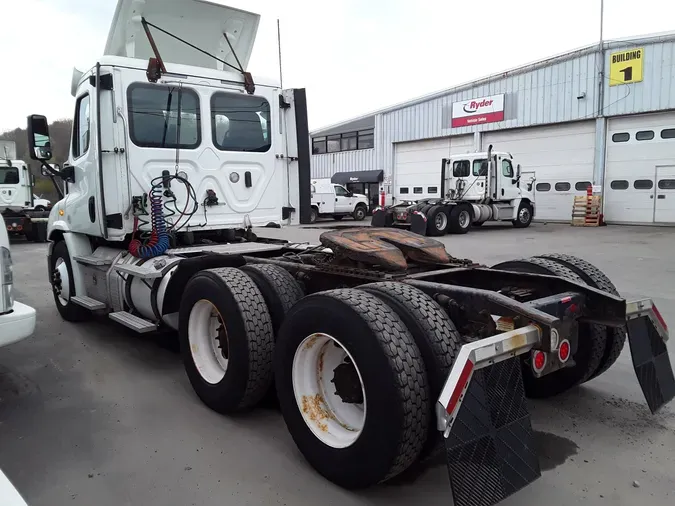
x: 651, y: 197
x: 92, y: 209
x: 336, y: 199
x: 661, y: 197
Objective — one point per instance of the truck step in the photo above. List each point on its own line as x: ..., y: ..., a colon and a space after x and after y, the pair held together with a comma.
x: 149, y: 270
x: 88, y: 303
x: 93, y: 260
x: 133, y: 322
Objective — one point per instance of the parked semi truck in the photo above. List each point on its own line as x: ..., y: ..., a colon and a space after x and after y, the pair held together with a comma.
x: 382, y: 347
x: 17, y: 205
x: 475, y: 188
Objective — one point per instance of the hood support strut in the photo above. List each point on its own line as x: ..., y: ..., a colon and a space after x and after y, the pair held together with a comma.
x: 156, y: 65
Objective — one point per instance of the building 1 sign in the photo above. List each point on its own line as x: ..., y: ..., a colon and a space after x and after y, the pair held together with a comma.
x: 626, y: 66
x: 477, y: 111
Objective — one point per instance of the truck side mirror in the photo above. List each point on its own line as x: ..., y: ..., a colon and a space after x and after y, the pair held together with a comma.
x: 516, y: 180
x: 39, y: 143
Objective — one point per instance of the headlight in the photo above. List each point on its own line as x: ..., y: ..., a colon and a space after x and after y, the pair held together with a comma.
x: 6, y: 281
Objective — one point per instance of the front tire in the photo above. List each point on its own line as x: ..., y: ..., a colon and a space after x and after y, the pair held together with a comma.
x: 226, y: 339
x: 40, y: 209
x: 525, y: 215
x: 352, y: 387
x: 63, y: 285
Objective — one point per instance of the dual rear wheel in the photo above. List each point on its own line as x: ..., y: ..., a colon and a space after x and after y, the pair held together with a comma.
x: 342, y: 361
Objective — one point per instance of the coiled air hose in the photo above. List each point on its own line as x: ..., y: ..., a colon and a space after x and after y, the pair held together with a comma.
x: 158, y: 242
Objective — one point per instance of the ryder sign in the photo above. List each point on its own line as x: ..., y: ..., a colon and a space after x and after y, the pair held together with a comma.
x: 477, y: 111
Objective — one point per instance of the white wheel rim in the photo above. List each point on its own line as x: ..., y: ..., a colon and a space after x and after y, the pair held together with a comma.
x: 441, y: 221
x: 208, y: 341
x: 334, y: 422
x: 464, y: 219
x: 63, y: 294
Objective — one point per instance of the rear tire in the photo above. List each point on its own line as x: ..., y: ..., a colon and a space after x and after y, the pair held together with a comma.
x: 435, y: 336
x: 226, y: 339
x: 63, y: 285
x: 591, y: 339
x: 525, y: 215
x: 438, y: 221
x: 313, y: 214
x: 460, y: 219
x: 354, y: 451
x: 592, y: 276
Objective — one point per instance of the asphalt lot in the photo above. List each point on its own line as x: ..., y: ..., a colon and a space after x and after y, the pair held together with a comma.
x: 93, y: 414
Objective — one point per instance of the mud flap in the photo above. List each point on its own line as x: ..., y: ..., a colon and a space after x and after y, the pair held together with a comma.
x: 651, y: 362
x: 490, y: 450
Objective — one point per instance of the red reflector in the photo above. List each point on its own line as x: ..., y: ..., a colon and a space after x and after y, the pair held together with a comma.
x: 459, y: 387
x: 659, y: 317
x: 539, y: 360
x: 573, y: 308
x: 565, y: 300
x: 564, y: 351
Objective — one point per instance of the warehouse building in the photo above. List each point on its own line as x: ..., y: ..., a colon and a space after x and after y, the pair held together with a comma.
x: 605, y: 118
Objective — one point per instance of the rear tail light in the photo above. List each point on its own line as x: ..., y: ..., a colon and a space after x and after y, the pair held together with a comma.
x: 538, y: 361
x: 564, y: 351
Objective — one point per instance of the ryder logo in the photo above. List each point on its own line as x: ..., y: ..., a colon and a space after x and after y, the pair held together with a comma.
x: 477, y: 111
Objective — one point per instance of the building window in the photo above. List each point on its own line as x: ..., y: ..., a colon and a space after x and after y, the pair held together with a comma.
x: 619, y: 184
x: 432, y: 189
x: 507, y: 168
x: 333, y: 143
x: 543, y: 187
x: 153, y: 116
x: 366, y: 139
x: 667, y: 184
x: 350, y: 141
x: 645, y: 135
x: 643, y: 184
x: 562, y: 187
x: 319, y: 145
x: 81, y: 129
x: 582, y: 186
x: 418, y: 190
x: 622, y: 137
x: 403, y: 190
x: 480, y: 167
x: 668, y: 133
x: 461, y: 168
x: 240, y: 123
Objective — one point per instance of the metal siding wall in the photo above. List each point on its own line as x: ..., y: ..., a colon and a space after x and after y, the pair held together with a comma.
x: 545, y: 95
x: 657, y: 90
x: 325, y: 165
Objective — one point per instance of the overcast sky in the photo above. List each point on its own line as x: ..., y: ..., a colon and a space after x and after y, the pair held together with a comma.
x: 353, y: 56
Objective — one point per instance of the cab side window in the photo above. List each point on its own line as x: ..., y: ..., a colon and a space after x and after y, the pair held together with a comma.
x: 507, y: 168
x: 81, y: 127
x: 340, y: 191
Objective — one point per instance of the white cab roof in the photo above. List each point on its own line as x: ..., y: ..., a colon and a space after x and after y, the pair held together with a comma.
x: 198, y: 22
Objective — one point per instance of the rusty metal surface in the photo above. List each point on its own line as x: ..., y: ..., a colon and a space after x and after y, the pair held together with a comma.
x: 388, y: 248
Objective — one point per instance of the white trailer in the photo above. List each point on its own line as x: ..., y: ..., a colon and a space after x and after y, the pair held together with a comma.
x: 475, y: 188
x: 381, y: 346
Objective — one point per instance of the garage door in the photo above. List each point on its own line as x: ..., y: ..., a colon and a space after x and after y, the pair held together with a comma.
x: 640, y: 169
x: 561, y: 156
x: 417, y: 165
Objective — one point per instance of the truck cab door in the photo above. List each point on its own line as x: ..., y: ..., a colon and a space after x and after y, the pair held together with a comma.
x: 508, y: 185
x: 343, y: 202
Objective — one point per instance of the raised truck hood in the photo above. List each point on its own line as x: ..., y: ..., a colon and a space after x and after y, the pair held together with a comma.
x: 198, y: 22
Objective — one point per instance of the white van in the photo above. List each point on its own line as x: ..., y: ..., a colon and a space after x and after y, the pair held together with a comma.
x: 330, y: 199
x: 17, y: 321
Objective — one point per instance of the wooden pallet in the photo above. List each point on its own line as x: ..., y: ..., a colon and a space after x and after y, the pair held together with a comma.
x: 587, y: 211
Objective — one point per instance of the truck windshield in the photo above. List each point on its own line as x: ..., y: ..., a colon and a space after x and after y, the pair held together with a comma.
x: 9, y: 175
x: 478, y: 165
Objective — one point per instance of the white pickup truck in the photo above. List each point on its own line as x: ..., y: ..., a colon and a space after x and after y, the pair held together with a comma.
x: 330, y: 199
x: 17, y: 321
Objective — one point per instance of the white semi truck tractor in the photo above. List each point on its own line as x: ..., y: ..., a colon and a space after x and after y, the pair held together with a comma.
x: 475, y: 188
x: 382, y: 347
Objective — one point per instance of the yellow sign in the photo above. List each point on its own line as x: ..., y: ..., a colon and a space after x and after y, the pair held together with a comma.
x: 626, y: 67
